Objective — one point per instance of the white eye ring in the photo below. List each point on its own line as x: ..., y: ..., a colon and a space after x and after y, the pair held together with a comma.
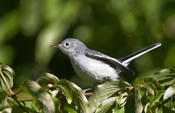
x: 67, y: 44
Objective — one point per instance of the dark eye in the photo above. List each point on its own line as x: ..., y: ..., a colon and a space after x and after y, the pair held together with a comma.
x: 67, y: 44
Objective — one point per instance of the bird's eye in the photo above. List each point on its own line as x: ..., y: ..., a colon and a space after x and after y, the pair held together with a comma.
x: 67, y: 44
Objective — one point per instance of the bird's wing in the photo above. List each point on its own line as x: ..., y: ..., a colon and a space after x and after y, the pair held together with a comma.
x: 108, y: 60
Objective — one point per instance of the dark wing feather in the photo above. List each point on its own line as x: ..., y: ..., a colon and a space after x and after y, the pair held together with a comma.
x: 109, y: 60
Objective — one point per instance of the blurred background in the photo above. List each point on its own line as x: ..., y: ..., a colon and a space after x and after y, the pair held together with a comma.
x: 114, y: 27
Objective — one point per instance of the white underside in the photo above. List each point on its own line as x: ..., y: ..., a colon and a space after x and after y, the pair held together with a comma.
x: 92, y: 69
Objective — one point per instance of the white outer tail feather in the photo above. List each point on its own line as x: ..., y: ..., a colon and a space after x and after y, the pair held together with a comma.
x: 126, y: 60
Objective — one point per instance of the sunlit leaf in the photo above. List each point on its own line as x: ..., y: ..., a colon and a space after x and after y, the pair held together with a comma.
x: 140, y: 83
x: 6, y: 110
x: 160, y: 110
x: 78, y: 97
x: 3, y: 101
x: 57, y: 105
x: 69, y: 109
x: 146, y: 109
x: 138, y: 97
x: 106, y: 105
x: 165, y: 76
x: 104, y: 91
x: 3, y: 94
x: 157, y: 97
x: 42, y: 97
x: 169, y: 92
x: 120, y: 110
x: 6, y: 77
x: 121, y: 100
x: 48, y: 78
x: 67, y: 93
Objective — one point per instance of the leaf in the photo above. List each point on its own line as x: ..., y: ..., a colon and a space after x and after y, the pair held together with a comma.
x: 153, y: 83
x: 160, y: 110
x: 48, y: 78
x: 69, y: 109
x: 57, y: 105
x: 78, y: 97
x: 138, y: 102
x: 42, y: 97
x: 165, y: 76
x: 157, y: 97
x: 147, y: 87
x: 17, y: 109
x: 121, y: 110
x: 67, y: 93
x: 106, y: 105
x: 121, y: 100
x: 146, y: 108
x: 104, y: 91
x: 3, y: 95
x: 6, y: 77
x: 169, y: 92
x: 3, y: 100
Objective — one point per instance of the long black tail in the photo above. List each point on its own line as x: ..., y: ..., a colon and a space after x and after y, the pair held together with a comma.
x: 126, y: 60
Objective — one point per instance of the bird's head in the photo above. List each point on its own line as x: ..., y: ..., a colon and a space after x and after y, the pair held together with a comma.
x: 71, y: 47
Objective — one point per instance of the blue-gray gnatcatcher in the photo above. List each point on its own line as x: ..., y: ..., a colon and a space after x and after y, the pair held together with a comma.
x: 96, y: 67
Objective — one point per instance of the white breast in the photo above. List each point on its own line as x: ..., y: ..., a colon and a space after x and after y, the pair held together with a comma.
x: 92, y: 69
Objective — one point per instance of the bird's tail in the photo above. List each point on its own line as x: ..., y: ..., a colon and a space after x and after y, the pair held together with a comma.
x: 126, y: 60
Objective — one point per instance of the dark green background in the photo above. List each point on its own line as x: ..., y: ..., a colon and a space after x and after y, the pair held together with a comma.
x: 114, y: 27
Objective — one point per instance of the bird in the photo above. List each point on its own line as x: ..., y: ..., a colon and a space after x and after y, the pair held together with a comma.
x: 95, y: 67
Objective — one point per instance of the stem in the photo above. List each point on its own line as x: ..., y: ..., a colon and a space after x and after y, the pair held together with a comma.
x: 24, y: 99
x: 5, y: 81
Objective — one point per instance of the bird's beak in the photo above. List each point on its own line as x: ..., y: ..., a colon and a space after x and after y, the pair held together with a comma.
x: 56, y: 46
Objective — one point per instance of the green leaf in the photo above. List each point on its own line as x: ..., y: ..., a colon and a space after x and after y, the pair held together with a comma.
x: 104, y: 91
x: 78, y: 97
x: 17, y: 109
x: 69, y: 109
x: 138, y: 102
x: 121, y: 110
x: 67, y: 93
x: 106, y: 105
x: 160, y: 110
x: 3, y: 100
x: 121, y: 100
x: 3, y: 94
x: 42, y: 97
x: 57, y: 104
x: 48, y: 78
x: 165, y: 76
x: 6, y: 77
x: 157, y: 98
x: 169, y: 92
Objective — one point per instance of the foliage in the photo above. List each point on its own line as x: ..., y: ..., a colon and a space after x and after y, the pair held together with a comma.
x: 114, y: 27
x: 52, y: 95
